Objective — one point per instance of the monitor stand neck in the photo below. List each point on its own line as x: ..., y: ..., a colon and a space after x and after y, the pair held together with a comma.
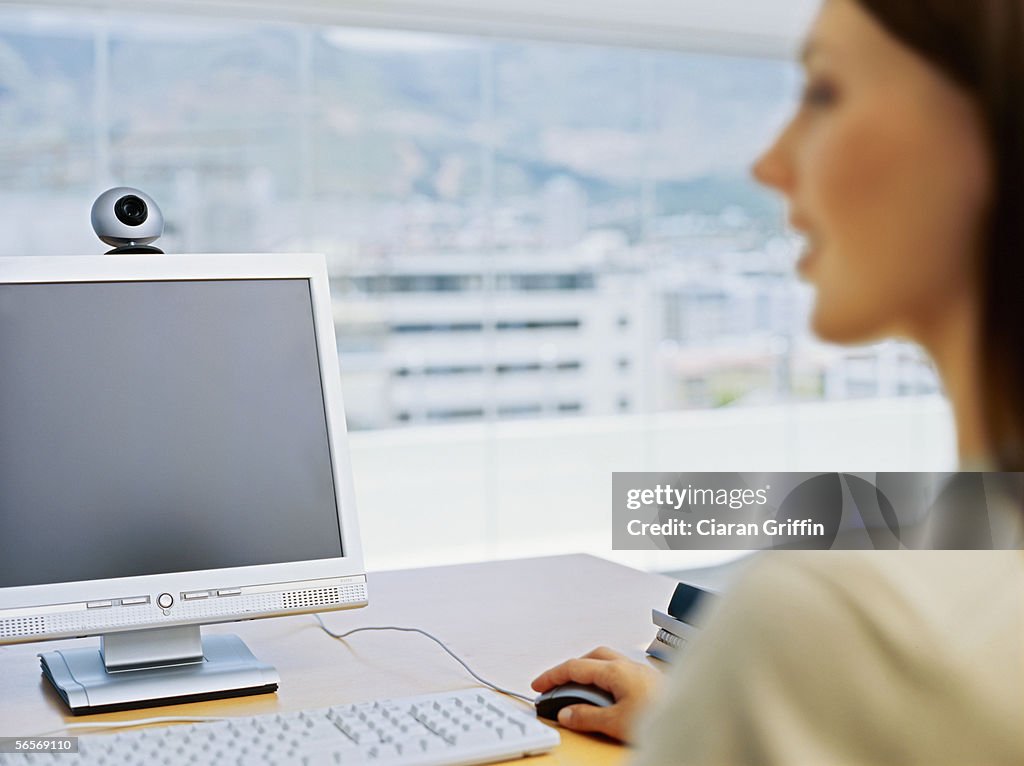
x: 158, y: 666
x: 152, y: 648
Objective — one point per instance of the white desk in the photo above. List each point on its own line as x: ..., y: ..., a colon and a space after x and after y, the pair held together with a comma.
x: 508, y: 620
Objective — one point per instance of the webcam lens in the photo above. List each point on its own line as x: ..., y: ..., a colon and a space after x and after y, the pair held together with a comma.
x: 131, y: 210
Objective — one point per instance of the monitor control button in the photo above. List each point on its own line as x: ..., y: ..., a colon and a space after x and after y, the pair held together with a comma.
x: 164, y: 600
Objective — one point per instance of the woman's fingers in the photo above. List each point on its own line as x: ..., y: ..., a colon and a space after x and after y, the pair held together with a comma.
x: 604, y: 653
x: 590, y: 718
x: 578, y: 670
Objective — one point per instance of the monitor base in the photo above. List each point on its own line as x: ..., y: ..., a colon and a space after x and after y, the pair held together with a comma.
x: 228, y: 669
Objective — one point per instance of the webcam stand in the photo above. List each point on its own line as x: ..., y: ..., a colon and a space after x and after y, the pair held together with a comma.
x: 135, y: 250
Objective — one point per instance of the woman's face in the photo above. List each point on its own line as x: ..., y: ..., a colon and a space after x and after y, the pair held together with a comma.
x: 886, y: 172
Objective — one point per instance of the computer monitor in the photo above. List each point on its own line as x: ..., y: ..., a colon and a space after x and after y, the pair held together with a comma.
x: 173, y: 453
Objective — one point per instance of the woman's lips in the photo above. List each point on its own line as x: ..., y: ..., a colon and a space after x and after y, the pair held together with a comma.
x: 812, y: 244
x: 807, y: 258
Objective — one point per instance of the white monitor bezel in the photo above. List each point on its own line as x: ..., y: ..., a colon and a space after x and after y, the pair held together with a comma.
x: 45, y: 598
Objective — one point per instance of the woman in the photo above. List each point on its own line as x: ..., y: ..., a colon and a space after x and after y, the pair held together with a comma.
x: 904, y: 168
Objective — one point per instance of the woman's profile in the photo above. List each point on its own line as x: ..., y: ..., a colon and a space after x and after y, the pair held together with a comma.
x: 904, y: 169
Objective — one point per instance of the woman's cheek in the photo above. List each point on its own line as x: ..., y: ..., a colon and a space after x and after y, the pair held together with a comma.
x: 852, y: 178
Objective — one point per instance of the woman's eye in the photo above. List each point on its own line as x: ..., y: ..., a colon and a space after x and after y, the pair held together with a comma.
x: 818, y: 94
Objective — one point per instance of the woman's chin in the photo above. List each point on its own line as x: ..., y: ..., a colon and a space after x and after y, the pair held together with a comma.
x: 831, y: 324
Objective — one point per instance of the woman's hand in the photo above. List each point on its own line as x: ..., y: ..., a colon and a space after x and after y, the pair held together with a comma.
x: 633, y: 685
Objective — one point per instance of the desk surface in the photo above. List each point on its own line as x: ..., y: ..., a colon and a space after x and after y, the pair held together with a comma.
x: 508, y: 620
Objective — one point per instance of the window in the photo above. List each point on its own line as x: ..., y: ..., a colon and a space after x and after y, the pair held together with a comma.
x: 513, y: 230
x: 487, y: 207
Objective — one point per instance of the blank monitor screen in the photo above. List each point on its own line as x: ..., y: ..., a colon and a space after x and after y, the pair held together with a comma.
x: 160, y: 426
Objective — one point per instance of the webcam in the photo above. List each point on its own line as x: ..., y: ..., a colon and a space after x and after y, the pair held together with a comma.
x: 127, y: 219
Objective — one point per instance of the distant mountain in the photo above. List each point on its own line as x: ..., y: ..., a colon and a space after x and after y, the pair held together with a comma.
x: 391, y: 123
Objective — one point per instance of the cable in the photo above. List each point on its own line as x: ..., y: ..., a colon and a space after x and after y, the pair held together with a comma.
x: 436, y: 640
x: 136, y: 722
x: 328, y: 631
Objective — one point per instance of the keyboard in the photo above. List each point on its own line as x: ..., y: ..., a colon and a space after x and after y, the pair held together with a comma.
x: 470, y: 726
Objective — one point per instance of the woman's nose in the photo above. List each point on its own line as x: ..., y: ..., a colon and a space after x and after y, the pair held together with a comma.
x: 774, y: 167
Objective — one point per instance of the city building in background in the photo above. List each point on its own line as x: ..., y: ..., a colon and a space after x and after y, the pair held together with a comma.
x: 447, y: 338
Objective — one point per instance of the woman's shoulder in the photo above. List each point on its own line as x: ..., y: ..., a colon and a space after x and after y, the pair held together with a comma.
x: 891, y: 594
x: 857, y: 576
x: 854, y: 657
x: 938, y: 634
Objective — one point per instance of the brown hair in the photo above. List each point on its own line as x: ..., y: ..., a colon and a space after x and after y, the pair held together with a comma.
x: 979, y: 44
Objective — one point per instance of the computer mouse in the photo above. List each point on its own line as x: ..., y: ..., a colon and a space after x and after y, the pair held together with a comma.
x: 550, y: 702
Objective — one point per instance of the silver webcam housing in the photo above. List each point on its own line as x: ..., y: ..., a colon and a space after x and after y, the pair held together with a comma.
x: 128, y: 219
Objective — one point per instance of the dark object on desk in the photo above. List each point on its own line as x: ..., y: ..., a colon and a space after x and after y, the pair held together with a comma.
x: 679, y: 625
x: 550, y: 702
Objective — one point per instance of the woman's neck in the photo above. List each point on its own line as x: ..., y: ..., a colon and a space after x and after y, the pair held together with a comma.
x: 953, y: 340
